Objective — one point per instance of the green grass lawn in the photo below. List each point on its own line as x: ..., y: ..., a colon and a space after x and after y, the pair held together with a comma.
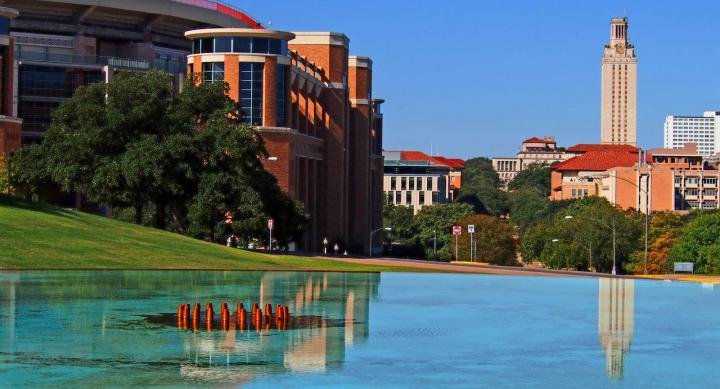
x: 37, y: 236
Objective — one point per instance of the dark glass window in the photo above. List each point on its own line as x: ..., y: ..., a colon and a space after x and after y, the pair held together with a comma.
x: 419, y: 183
x: 422, y: 198
x: 213, y: 71
x: 398, y: 197
x: 403, y: 183
x: 251, y: 92
x: 4, y: 26
x: 242, y: 45
x: 223, y: 45
x: 274, y: 46
x: 36, y: 115
x: 283, y: 47
x: 206, y: 45
x: 260, y: 45
x: 281, y: 104
x: 393, y: 183
x: 196, y: 46
x: 412, y: 183
x: 429, y: 185
x: 54, y: 81
x: 408, y: 198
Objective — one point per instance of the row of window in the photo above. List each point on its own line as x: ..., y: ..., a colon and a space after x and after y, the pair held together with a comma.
x: 696, y: 180
x: 410, y: 183
x: 397, y: 197
x: 251, y: 89
x: 228, y: 44
x: 579, y: 193
x: 696, y: 192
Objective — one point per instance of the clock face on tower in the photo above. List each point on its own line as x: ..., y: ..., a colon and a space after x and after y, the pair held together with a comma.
x: 620, y: 49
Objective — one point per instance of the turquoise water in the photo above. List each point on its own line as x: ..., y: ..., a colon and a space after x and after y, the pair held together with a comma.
x: 101, y: 329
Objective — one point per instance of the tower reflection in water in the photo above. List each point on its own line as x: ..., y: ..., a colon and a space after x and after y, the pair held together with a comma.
x: 340, y: 301
x: 616, y: 319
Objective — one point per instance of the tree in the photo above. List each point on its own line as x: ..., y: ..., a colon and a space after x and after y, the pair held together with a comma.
x: 186, y: 157
x: 493, y: 240
x: 481, y: 180
x: 4, y: 182
x: 700, y: 243
x: 560, y: 242
x: 535, y: 176
x: 435, y: 223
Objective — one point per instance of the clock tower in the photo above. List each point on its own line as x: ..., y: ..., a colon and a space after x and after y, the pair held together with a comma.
x: 618, y: 118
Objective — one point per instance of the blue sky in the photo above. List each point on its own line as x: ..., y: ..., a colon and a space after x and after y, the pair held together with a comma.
x: 475, y: 78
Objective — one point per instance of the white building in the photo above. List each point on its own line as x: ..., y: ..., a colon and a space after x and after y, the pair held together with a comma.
x: 702, y: 130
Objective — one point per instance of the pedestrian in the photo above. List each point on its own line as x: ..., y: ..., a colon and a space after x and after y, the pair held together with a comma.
x: 336, y: 248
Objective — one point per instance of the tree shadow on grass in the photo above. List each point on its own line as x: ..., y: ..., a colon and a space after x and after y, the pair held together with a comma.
x: 17, y: 202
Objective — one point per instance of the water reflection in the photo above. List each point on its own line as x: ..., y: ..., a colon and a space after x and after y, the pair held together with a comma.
x: 616, y: 319
x: 341, y: 301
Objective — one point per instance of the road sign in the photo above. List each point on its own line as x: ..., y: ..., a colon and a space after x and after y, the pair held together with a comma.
x: 270, y: 223
x: 471, y: 228
x: 457, y: 230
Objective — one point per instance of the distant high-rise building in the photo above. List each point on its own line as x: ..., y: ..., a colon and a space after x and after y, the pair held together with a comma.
x: 701, y: 130
x: 618, y: 119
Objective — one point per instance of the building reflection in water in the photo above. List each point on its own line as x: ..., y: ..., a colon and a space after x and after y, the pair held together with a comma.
x: 342, y: 301
x: 616, y: 319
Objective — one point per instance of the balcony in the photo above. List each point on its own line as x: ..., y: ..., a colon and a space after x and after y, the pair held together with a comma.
x: 169, y: 66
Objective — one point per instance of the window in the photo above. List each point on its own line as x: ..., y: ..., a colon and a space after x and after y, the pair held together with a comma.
x: 710, y: 181
x: 412, y: 183
x: 574, y: 193
x: 691, y: 192
x: 213, y: 71
x: 408, y: 197
x: 585, y: 193
x: 390, y: 197
x: 709, y: 192
x: 421, y: 199
x: 242, y: 44
x: 398, y: 199
x: 393, y: 183
x: 251, y: 92
x: 429, y: 184
x: 223, y: 45
x: 419, y: 184
x: 403, y: 183
x: 436, y: 197
x: 206, y: 45
x: 281, y: 102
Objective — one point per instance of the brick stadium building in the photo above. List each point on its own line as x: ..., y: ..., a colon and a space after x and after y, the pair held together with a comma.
x: 311, y: 100
x: 313, y: 105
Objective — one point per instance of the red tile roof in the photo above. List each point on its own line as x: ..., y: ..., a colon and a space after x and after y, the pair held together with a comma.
x: 453, y: 163
x: 585, y: 147
x: 599, y: 157
x: 535, y: 139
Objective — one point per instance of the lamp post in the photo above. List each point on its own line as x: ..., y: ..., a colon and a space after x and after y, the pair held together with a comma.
x: 588, y: 247
x: 612, y: 228
x: 373, y: 232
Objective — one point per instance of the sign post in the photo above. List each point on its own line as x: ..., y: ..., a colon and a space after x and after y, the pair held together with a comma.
x: 457, y: 230
x: 271, y: 222
x: 471, y: 231
x: 325, y: 244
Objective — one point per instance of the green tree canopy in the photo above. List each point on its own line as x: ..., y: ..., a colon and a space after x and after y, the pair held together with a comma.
x: 700, y: 243
x: 493, y: 240
x: 134, y: 143
x: 535, y: 177
x: 481, y: 182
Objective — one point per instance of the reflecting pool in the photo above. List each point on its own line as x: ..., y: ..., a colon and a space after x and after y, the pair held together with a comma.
x: 118, y: 329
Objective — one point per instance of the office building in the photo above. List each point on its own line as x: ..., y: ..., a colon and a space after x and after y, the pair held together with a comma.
x: 700, y: 130
x: 532, y: 151
x: 10, y: 125
x: 618, y: 121
x: 656, y: 180
x: 312, y: 103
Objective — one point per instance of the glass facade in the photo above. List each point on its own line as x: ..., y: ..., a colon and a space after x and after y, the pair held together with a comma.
x: 4, y: 26
x: 213, y: 71
x: 54, y: 81
x: 252, y: 45
x: 251, y: 92
x: 36, y: 114
x: 281, y: 102
x: 41, y: 89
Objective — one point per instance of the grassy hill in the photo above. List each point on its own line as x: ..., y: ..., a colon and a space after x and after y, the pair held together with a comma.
x: 37, y: 236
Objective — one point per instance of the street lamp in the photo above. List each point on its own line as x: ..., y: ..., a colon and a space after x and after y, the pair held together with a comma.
x: 373, y: 232
x: 612, y: 228
x: 588, y: 247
